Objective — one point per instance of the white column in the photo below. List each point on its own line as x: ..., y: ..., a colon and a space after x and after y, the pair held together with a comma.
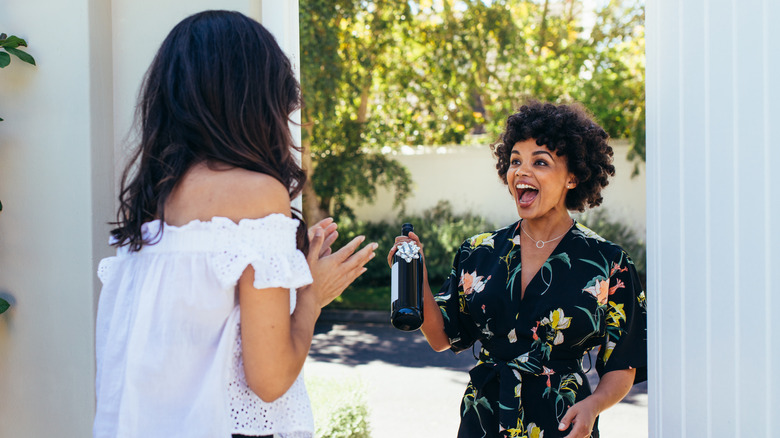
x: 55, y: 169
x: 281, y: 19
x: 62, y: 144
x: 713, y: 110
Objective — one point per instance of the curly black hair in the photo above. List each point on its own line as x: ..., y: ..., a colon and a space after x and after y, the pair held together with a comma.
x: 569, y: 131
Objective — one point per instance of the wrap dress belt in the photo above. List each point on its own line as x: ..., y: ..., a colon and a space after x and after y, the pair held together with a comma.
x: 509, y: 374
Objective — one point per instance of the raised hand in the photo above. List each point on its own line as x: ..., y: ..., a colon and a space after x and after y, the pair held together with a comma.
x: 328, y: 227
x: 333, y: 272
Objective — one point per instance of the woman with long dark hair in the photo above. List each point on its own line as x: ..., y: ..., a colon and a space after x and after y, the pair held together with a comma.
x: 207, y: 312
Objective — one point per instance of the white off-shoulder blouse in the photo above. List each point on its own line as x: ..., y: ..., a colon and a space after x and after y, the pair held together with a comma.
x: 168, y: 348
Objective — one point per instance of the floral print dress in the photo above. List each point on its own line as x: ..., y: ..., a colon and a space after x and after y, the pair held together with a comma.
x: 530, y: 370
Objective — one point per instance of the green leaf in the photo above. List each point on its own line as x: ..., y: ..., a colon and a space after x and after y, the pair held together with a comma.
x: 4, y: 305
x: 24, y: 56
x: 593, y: 322
x: 482, y: 401
x: 603, y: 269
x: 5, y: 59
x: 13, y: 42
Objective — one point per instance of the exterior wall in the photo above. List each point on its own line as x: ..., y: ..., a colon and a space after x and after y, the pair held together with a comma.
x: 62, y: 148
x: 53, y: 163
x: 466, y: 176
x: 712, y: 101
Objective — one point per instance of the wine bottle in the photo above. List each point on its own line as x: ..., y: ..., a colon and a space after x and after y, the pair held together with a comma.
x: 406, y: 285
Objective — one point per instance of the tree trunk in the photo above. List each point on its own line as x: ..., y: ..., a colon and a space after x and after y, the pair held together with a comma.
x: 362, y: 115
x: 570, y: 15
x: 312, y: 213
x: 543, y: 26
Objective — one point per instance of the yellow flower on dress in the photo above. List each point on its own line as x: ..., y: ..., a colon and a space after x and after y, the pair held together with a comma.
x: 557, y: 321
x: 535, y: 431
x: 514, y: 432
x: 482, y: 239
x: 616, y: 313
x: 610, y: 347
x: 642, y: 300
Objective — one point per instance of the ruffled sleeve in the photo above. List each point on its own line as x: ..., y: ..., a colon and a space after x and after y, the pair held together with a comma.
x: 458, y: 325
x: 106, y: 268
x: 625, y: 343
x: 269, y: 245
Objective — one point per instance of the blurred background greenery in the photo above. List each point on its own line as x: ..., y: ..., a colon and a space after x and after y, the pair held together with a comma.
x: 442, y: 232
x: 386, y: 73
x: 377, y: 75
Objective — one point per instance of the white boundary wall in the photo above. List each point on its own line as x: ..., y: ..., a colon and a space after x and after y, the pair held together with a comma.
x: 713, y: 102
x: 62, y: 148
x: 466, y: 177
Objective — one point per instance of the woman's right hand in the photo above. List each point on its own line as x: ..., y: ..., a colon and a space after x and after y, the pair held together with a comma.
x: 332, y: 273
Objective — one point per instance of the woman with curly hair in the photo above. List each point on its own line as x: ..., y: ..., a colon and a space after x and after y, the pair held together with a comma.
x: 542, y: 292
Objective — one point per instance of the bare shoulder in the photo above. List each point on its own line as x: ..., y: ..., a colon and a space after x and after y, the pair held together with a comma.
x: 235, y: 193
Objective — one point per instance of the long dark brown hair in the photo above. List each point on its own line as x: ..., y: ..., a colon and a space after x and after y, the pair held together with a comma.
x: 220, y: 90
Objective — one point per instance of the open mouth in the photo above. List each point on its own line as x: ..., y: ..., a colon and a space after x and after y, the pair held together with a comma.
x: 526, y: 194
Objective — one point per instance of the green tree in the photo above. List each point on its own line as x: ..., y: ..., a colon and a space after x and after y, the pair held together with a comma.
x: 387, y: 73
x: 344, y: 56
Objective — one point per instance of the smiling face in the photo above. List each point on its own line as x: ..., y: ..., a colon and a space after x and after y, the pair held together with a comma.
x: 538, y: 180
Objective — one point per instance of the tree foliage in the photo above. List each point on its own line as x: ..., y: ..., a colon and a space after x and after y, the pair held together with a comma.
x: 385, y: 73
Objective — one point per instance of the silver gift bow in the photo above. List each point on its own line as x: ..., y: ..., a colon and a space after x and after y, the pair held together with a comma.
x: 408, y: 251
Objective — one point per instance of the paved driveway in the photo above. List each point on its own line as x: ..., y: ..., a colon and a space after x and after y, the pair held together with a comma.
x: 415, y: 392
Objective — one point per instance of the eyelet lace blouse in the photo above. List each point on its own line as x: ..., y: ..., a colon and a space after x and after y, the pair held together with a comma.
x: 168, y: 348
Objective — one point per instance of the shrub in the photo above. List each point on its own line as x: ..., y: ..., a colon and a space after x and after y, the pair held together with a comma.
x: 340, y: 408
x: 442, y: 232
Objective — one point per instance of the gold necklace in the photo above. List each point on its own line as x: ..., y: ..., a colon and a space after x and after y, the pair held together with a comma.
x: 540, y: 243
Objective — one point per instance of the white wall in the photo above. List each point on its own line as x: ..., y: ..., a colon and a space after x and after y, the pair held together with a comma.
x: 62, y: 145
x: 713, y: 110
x: 51, y: 178
x: 466, y: 176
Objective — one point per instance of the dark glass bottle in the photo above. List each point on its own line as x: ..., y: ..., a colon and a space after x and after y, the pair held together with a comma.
x: 406, y: 286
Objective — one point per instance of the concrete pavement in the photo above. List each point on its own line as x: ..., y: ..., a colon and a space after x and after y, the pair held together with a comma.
x: 416, y: 392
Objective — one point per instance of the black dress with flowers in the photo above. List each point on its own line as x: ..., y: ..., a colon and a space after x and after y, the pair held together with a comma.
x: 586, y: 295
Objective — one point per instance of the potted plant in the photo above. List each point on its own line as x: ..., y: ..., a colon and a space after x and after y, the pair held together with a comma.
x: 10, y: 45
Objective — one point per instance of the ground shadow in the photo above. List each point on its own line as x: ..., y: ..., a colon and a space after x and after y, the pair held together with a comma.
x: 362, y: 343
x: 356, y: 344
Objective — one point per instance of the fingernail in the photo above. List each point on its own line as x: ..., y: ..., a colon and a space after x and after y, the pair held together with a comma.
x: 374, y: 246
x: 561, y: 426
